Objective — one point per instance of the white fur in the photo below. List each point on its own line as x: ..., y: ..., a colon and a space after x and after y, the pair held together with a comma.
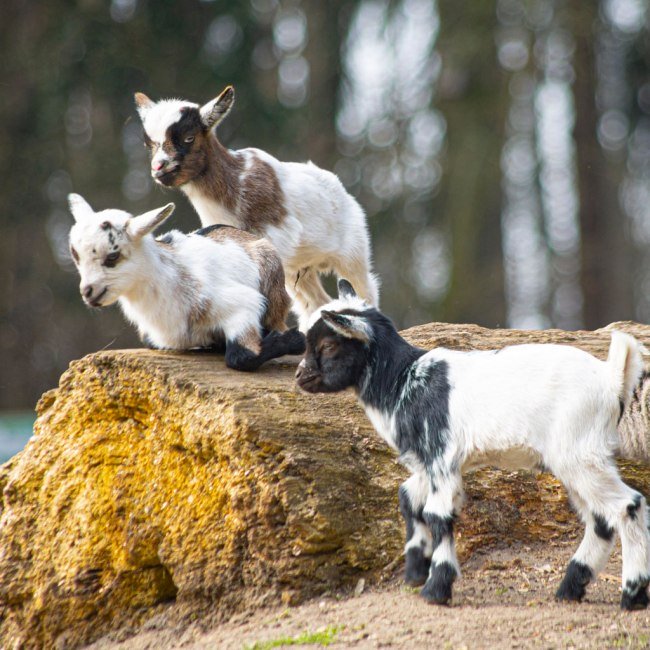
x: 325, y: 229
x: 159, y: 287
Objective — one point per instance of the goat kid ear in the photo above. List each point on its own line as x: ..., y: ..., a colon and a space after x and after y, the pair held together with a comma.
x: 214, y: 112
x: 79, y: 207
x: 347, y: 325
x: 142, y: 103
x: 145, y: 223
x: 346, y: 290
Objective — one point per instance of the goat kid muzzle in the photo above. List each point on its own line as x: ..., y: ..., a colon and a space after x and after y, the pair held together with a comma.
x: 92, y: 297
x: 308, y: 377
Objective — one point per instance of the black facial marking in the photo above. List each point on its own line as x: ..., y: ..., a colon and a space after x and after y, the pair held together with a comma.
x: 188, y: 125
x: 603, y: 529
x: 111, y: 260
x: 633, y: 507
x: 337, y: 369
x: 574, y: 584
x: 621, y: 405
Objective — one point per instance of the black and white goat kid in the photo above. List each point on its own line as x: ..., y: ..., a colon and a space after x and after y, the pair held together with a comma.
x: 447, y: 411
x: 217, y: 287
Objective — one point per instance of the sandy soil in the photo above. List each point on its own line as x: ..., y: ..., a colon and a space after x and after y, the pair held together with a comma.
x: 503, y: 600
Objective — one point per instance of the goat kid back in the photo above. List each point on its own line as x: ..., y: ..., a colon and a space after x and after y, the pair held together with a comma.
x: 213, y: 288
x: 525, y: 406
x: 315, y: 225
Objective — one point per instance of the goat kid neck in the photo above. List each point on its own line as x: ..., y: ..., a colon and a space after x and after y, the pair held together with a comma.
x: 390, y: 359
x: 214, y: 191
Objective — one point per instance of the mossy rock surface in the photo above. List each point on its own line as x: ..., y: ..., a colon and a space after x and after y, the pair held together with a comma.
x: 165, y: 482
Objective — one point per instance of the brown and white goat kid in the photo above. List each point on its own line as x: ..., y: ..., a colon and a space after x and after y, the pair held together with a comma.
x: 315, y: 225
x: 446, y: 412
x: 214, y: 287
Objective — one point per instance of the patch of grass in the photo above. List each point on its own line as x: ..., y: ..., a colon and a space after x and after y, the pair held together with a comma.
x: 321, y: 638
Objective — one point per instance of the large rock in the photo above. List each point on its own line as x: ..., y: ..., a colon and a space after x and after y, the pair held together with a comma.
x: 159, y: 481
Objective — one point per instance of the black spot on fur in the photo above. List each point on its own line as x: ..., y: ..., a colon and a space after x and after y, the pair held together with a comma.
x: 406, y: 509
x: 208, y: 229
x: 105, y: 225
x: 621, y: 406
x: 603, y: 529
x: 416, y: 569
x: 437, y: 589
x: 633, y: 507
x: 440, y: 527
x: 635, y: 594
x: 574, y: 584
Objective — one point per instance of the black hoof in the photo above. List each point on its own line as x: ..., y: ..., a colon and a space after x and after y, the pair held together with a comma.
x: 417, y: 566
x: 635, y: 595
x: 574, y: 584
x: 437, y: 590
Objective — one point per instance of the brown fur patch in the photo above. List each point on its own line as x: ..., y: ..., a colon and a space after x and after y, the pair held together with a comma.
x: 262, y: 199
x: 263, y: 253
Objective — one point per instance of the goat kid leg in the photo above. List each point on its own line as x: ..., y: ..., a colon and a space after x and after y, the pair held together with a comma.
x: 591, y: 556
x: 241, y: 355
x: 623, y: 509
x: 419, y: 543
x: 306, y: 290
x: 439, y: 514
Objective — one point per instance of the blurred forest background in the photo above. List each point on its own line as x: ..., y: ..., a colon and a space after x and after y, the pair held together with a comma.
x: 501, y: 148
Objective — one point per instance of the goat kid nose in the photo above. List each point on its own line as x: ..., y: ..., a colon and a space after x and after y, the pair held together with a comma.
x: 303, y: 369
x: 157, y: 165
x: 87, y: 291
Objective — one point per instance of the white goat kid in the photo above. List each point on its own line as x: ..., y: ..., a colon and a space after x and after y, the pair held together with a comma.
x: 446, y: 411
x: 315, y: 225
x: 213, y: 288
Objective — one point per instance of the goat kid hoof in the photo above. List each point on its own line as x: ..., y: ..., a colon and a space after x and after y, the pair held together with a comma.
x: 437, y: 589
x: 637, y: 601
x: 417, y: 568
x: 574, y: 584
x: 436, y: 594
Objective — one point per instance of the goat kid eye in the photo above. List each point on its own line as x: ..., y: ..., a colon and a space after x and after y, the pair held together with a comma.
x: 111, y: 260
x: 189, y: 139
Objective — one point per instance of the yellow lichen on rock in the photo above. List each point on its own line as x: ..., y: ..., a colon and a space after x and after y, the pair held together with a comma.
x: 155, y: 476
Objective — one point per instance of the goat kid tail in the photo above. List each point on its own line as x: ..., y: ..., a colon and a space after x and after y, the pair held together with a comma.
x: 626, y: 366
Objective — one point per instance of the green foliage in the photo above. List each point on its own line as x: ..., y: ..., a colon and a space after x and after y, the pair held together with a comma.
x: 322, y: 637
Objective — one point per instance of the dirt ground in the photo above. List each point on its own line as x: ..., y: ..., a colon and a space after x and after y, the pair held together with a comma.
x: 504, y: 599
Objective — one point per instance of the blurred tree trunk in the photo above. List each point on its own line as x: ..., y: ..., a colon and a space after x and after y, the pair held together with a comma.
x: 473, y: 98
x: 323, y: 52
x: 605, y: 264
